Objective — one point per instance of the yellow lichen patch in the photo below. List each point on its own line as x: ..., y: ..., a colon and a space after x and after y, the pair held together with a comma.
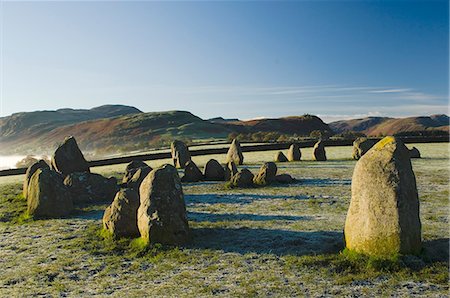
x: 385, y: 141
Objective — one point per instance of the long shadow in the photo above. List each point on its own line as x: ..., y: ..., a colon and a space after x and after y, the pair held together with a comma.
x: 324, y: 181
x: 278, y: 242
x: 215, y: 217
x: 241, y: 199
x: 437, y: 250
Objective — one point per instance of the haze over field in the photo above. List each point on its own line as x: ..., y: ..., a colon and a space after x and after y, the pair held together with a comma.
x: 337, y: 60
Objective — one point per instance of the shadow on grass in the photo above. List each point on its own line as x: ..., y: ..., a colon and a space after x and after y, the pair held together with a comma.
x: 278, y: 242
x: 437, y: 250
x: 241, y: 199
x: 215, y: 217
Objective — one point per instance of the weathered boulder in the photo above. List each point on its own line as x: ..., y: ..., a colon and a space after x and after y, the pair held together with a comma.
x: 138, y: 177
x: 47, y: 196
x: 319, y: 152
x: 68, y: 158
x: 360, y: 146
x: 280, y: 157
x: 234, y: 154
x: 230, y: 170
x: 180, y: 154
x: 383, y: 217
x: 131, y: 169
x: 213, y: 171
x: 244, y: 178
x: 162, y: 212
x: 89, y: 187
x: 41, y: 164
x: 294, y: 153
x: 414, y: 153
x: 192, y: 173
x: 120, y: 218
x: 266, y: 174
x: 284, y: 178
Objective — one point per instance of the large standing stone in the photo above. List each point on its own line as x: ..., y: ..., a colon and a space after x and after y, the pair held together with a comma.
x: 414, y: 152
x: 266, y: 174
x: 230, y: 170
x: 47, y: 196
x: 235, y: 153
x: 192, y: 173
x: 361, y: 146
x: 294, y: 153
x: 180, y: 154
x: 89, y: 187
x: 319, y: 152
x: 213, y: 171
x: 280, y: 157
x: 68, y: 158
x: 138, y: 177
x: 41, y: 164
x: 242, y: 179
x: 162, y: 211
x: 120, y: 218
x: 132, y: 168
x: 383, y: 217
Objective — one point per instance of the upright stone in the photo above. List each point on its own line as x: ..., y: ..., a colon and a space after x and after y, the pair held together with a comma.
x: 414, y: 152
x: 244, y: 178
x: 383, y: 217
x: 213, y: 171
x: 139, y: 175
x: 230, y: 170
x: 47, y: 196
x: 162, y: 212
x: 266, y: 174
x: 280, y: 157
x: 361, y: 146
x: 41, y: 164
x: 180, y: 154
x: 319, y: 152
x: 120, y: 218
x: 132, y: 168
x: 294, y: 153
x: 235, y: 153
x: 90, y: 187
x: 192, y: 173
x: 68, y: 158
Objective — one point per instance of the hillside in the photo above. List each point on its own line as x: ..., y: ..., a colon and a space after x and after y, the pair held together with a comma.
x: 112, y: 128
x: 376, y: 126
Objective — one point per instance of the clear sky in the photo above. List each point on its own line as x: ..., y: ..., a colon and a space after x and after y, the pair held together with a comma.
x: 335, y: 59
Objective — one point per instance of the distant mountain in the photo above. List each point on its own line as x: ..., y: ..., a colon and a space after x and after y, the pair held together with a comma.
x: 376, y: 126
x: 222, y: 120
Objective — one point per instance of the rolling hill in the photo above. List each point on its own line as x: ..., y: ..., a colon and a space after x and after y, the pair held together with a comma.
x: 381, y: 126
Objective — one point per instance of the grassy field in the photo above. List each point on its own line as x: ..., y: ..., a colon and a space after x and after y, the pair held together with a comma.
x: 282, y: 240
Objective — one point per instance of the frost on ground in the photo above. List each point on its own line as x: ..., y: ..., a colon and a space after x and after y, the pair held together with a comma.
x: 283, y: 240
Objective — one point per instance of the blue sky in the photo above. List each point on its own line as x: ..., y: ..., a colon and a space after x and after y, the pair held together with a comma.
x: 335, y: 59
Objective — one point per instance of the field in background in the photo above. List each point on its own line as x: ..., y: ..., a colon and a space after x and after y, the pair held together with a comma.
x: 272, y: 241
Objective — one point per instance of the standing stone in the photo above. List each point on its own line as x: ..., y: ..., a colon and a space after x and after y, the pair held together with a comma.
x: 361, y: 146
x: 47, y: 196
x: 192, y: 173
x: 90, y: 187
x: 68, y: 158
x: 120, y: 218
x: 41, y: 164
x: 213, y: 171
x: 242, y: 179
x: 266, y: 174
x: 162, y: 212
x: 230, y: 170
x: 131, y: 169
x: 280, y: 157
x: 414, y: 153
x: 319, y: 152
x: 235, y: 153
x: 138, y: 177
x: 294, y: 153
x: 180, y: 154
x: 383, y: 217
